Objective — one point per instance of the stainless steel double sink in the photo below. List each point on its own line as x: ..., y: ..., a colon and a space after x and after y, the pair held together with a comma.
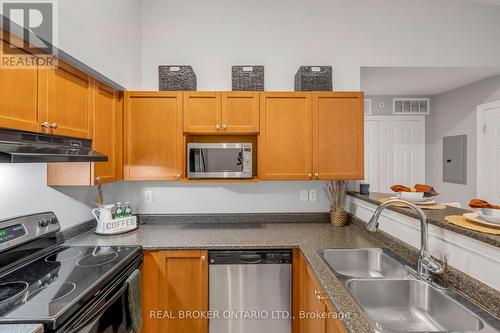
x: 397, y: 301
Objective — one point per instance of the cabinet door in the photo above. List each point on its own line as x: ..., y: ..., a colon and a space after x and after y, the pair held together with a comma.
x: 152, y: 276
x: 106, y: 136
x: 240, y: 112
x: 333, y: 324
x: 67, y: 101
x: 338, y: 135
x: 185, y: 289
x: 285, y: 143
x: 19, y: 99
x: 202, y: 112
x: 107, y: 139
x: 153, y: 135
x: 313, y: 304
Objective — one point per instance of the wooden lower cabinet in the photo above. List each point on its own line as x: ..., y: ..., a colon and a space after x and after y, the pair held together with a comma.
x: 174, y: 285
x: 318, y: 314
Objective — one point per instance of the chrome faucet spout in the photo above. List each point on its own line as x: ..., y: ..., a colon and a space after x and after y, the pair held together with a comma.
x: 426, y: 264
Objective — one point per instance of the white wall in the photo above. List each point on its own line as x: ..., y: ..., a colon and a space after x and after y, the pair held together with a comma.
x: 174, y: 197
x: 104, y: 35
x: 283, y: 34
x: 454, y: 113
x: 23, y: 191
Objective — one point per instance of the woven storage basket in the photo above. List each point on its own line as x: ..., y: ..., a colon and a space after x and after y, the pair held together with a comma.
x: 338, y: 219
x: 314, y: 78
x: 247, y: 78
x: 175, y: 78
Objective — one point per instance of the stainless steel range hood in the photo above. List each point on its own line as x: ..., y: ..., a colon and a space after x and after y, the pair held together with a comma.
x: 27, y: 147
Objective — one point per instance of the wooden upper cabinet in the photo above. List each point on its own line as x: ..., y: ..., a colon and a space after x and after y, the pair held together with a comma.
x: 153, y: 135
x: 240, y: 112
x: 338, y: 120
x: 107, y: 134
x: 285, y: 143
x: 185, y: 289
x: 202, y: 112
x: 66, y: 95
x: 19, y: 99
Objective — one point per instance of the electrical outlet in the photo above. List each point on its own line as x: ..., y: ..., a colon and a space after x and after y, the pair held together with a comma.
x: 313, y: 195
x: 148, y: 196
x: 304, y: 195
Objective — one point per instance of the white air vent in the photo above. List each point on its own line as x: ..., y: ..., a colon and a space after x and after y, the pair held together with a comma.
x: 410, y: 105
x: 368, y: 106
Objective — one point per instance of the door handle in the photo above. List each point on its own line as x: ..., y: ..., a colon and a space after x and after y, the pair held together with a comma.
x: 217, y: 127
x: 53, y: 125
x: 203, y: 258
x: 224, y: 127
x: 316, y: 175
x: 309, y: 175
x: 45, y: 124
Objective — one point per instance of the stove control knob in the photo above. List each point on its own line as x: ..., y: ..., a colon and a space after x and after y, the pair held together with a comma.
x: 44, y: 222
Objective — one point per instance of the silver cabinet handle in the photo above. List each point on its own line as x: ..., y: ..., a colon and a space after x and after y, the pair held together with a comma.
x: 217, y: 127
x: 203, y: 258
x: 309, y: 175
x: 45, y: 124
x: 97, y: 180
x: 178, y: 176
x: 224, y: 126
x: 316, y: 175
x: 53, y: 125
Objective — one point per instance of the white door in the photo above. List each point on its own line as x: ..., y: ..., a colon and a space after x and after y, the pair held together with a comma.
x: 488, y: 170
x: 402, y: 150
x: 371, y: 155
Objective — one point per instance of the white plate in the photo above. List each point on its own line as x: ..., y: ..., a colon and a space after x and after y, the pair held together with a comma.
x: 489, y: 214
x: 422, y: 201
x: 475, y: 218
x: 413, y: 196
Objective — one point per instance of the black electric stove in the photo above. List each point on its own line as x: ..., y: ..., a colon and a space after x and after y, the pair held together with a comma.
x: 43, y: 281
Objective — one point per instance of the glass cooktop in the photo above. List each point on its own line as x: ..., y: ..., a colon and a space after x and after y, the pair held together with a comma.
x: 48, y: 286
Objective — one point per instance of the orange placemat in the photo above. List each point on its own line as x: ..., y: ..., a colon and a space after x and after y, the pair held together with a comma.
x: 464, y: 223
x: 430, y: 207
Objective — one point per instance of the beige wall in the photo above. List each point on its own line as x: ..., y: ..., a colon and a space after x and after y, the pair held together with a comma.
x: 454, y: 113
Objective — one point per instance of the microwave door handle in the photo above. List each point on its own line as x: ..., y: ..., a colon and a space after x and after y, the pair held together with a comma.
x: 203, y: 161
x: 101, y: 310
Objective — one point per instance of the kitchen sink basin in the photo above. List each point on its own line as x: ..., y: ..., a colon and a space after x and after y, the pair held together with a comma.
x: 407, y: 305
x: 363, y: 263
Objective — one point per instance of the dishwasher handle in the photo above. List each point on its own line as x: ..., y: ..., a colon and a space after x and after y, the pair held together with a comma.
x: 250, y: 258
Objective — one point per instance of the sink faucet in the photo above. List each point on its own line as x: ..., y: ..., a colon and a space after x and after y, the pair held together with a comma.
x: 426, y: 265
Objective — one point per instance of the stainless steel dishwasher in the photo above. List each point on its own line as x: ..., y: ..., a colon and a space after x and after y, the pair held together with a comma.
x: 250, y: 291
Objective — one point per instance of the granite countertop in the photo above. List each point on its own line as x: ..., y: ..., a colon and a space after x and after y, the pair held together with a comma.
x: 435, y: 217
x: 308, y: 237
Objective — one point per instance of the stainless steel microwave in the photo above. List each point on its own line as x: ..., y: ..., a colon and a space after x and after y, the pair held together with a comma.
x: 219, y: 160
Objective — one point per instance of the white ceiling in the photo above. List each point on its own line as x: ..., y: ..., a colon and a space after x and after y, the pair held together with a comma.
x: 418, y: 81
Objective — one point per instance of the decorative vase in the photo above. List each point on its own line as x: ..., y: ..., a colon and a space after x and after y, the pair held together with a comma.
x: 338, y: 218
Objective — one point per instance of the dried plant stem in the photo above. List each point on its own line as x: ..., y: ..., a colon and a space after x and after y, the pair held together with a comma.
x: 335, y: 191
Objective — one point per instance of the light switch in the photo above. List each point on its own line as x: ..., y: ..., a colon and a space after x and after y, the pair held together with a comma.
x: 313, y: 195
x: 148, y: 196
x: 304, y: 195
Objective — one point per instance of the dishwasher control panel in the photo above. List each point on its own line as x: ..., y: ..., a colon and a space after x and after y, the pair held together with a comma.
x: 237, y: 257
